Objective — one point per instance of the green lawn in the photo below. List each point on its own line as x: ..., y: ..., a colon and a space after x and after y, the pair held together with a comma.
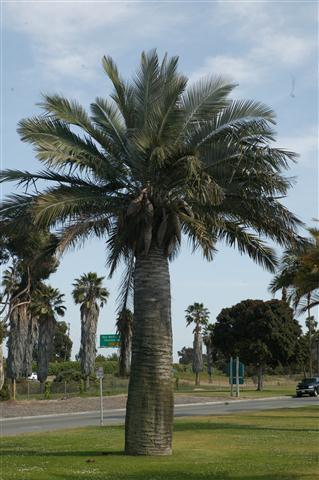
x: 245, y: 391
x: 269, y: 445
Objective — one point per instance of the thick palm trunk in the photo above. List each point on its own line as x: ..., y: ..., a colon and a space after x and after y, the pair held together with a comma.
x: 125, y: 356
x: 197, y: 356
x: 45, y: 346
x: 209, y: 354
x: 19, y: 343
x: 87, y: 354
x: 150, y: 403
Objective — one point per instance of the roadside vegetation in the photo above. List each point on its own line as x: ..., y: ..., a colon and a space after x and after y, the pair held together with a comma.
x: 248, y: 446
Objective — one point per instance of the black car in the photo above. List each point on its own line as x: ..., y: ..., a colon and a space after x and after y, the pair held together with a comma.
x: 308, y: 386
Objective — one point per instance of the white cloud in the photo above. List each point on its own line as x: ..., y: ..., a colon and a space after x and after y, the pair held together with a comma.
x: 265, y: 38
x: 238, y: 68
x: 64, y: 35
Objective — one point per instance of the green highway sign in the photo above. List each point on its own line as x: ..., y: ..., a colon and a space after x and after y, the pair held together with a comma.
x: 241, y: 369
x: 109, y: 341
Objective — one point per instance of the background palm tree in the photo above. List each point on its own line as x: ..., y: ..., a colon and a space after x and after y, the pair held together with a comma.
x: 47, y: 303
x: 155, y: 161
x: 298, y: 279
x: 32, y: 254
x: 90, y: 294
x: 124, y: 325
x: 198, y: 315
x: 208, y: 342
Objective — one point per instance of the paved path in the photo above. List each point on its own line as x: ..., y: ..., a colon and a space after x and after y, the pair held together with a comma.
x: 14, y: 426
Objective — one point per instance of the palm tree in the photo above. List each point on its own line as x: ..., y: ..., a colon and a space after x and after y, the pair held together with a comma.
x: 198, y: 315
x: 124, y: 325
x: 47, y: 303
x: 31, y: 251
x: 208, y: 342
x: 87, y: 292
x: 298, y: 279
x: 159, y: 160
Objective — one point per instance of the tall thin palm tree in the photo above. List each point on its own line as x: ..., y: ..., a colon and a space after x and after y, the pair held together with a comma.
x: 47, y: 303
x: 158, y: 160
x: 124, y: 325
x: 198, y: 315
x: 208, y: 342
x: 298, y: 279
x: 91, y: 295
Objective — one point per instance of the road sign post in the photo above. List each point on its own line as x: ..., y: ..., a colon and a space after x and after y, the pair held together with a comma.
x: 237, y: 376
x: 231, y: 376
x: 235, y: 370
x: 100, y: 375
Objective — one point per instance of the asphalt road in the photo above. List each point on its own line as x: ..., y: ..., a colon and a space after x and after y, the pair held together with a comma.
x: 15, y: 426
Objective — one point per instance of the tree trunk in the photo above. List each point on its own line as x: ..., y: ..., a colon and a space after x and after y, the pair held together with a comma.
x: 125, y: 354
x: 87, y: 383
x: 32, y: 338
x: 13, y: 389
x: 1, y: 366
x: 18, y: 343
x: 260, y: 383
x: 150, y: 403
x: 45, y: 346
x: 197, y: 365
x: 209, y: 354
x: 87, y: 354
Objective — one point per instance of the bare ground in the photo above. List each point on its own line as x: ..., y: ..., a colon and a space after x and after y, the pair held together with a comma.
x: 25, y: 408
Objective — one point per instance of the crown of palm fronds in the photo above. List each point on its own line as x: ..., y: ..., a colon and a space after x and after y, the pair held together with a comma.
x: 47, y: 302
x: 299, y: 274
x: 88, y: 289
x: 156, y: 161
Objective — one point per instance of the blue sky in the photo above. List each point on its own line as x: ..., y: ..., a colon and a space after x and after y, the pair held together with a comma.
x: 269, y: 48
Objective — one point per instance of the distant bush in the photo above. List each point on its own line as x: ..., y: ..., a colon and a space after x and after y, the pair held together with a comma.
x: 47, y: 390
x: 5, y: 392
x: 56, y: 368
x: 68, y: 376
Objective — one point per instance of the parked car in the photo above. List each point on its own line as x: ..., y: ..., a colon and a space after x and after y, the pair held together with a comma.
x: 33, y: 376
x: 308, y: 386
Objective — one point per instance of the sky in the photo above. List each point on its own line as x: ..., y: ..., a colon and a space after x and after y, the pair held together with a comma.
x: 269, y: 48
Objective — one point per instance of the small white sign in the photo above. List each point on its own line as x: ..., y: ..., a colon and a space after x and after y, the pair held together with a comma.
x: 100, y: 372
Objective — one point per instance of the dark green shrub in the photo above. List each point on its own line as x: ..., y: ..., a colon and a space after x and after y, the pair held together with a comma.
x: 5, y: 392
x: 68, y: 376
x: 47, y: 390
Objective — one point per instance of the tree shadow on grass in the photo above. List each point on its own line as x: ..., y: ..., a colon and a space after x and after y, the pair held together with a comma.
x: 87, y: 453
x: 178, y: 475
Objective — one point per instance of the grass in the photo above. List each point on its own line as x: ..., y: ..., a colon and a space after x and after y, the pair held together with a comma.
x: 269, y: 445
x: 245, y: 391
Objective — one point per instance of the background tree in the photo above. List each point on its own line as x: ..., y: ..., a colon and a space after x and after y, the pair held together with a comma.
x: 260, y: 333
x: 124, y: 324
x: 155, y: 161
x: 32, y: 254
x: 62, y: 343
x: 186, y: 356
x: 47, y: 304
x: 91, y: 295
x: 208, y: 342
x: 298, y: 278
x: 198, y: 315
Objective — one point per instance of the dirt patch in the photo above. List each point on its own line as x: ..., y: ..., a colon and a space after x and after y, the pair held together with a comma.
x: 26, y: 408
